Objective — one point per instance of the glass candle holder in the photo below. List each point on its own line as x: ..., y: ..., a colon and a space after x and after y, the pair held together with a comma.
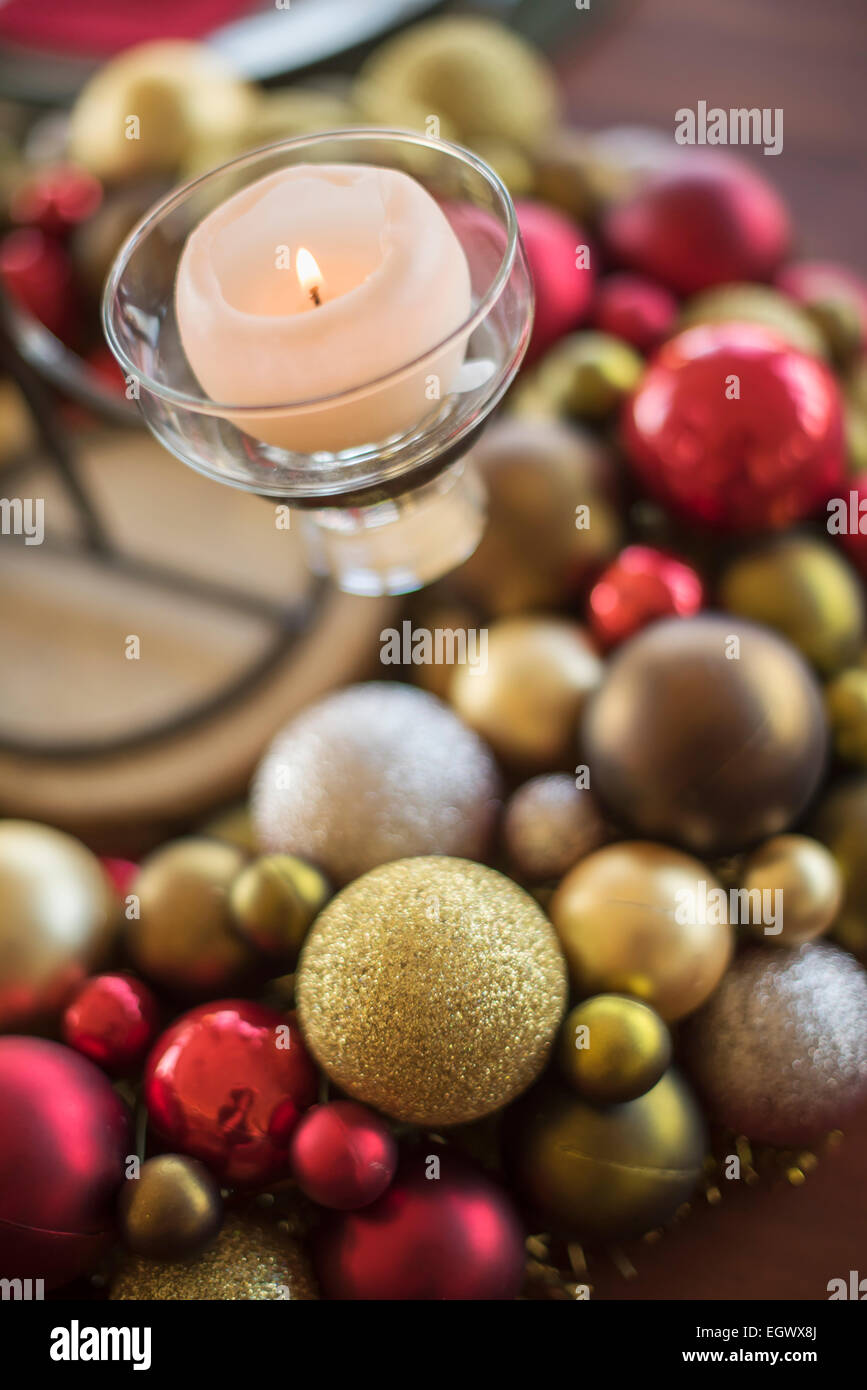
x: 388, y: 514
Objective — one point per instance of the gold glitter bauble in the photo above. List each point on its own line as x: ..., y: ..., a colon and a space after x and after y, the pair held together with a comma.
x: 374, y: 773
x: 606, y: 1174
x: 479, y: 79
x: 748, y: 303
x: 58, y: 917
x: 841, y: 824
x: 184, y: 937
x: 180, y: 93
x: 630, y: 921
x: 533, y: 553
x: 249, y: 1260
x: 549, y: 824
x: 527, y: 701
x: 172, y: 1210
x: 780, y: 1050
x: 613, y: 1048
x: 808, y: 886
x: 846, y: 703
x: 274, y: 900
x: 432, y: 989
x: 805, y: 590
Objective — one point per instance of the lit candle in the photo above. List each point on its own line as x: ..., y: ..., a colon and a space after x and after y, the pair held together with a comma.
x: 317, y: 281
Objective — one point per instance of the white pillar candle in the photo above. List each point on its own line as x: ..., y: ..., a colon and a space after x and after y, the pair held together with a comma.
x: 317, y: 281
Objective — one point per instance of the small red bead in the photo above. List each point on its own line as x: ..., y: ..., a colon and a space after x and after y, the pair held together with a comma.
x: 343, y: 1155
x: 635, y: 309
x: 112, y: 1020
x: 641, y: 586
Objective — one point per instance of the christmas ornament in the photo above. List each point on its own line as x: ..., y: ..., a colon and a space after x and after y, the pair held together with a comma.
x: 184, y: 936
x: 55, y: 199
x: 526, y: 701
x: 801, y: 587
x: 374, y: 773
x: 841, y: 824
x: 835, y: 297
x: 343, y: 1155
x: 121, y: 873
x: 457, y: 624
x: 780, y: 1050
x: 707, y: 731
x: 699, y: 225
x: 36, y: 273
x: 431, y: 989
x: 274, y: 900
x: 443, y: 1230
x: 732, y: 428
x: 851, y: 538
x: 250, y: 1260
x: 58, y: 918
x: 560, y: 267
x: 631, y: 920
x: 563, y: 172
x: 804, y: 883
x: 235, y: 826
x: 846, y: 703
x: 759, y: 304
x: 65, y: 1138
x: 549, y: 824
x: 638, y: 311
x: 587, y: 375
x: 641, y: 586
x: 172, y: 1210
x: 552, y: 515
x: 612, y: 1049
x: 480, y: 79
x: 147, y: 109
x: 113, y: 1020
x: 611, y: 1173
x: 227, y: 1083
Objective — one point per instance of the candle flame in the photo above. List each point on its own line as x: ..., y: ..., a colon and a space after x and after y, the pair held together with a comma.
x: 308, y: 272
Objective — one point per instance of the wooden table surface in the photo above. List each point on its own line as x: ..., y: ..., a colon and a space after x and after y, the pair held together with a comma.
x: 806, y: 56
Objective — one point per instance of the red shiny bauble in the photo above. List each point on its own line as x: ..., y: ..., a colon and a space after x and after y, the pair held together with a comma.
x: 733, y: 428
x: 121, y: 873
x: 343, y: 1155
x: 56, y: 199
x: 641, y: 586
x: 563, y: 284
x: 698, y: 225
x: 64, y: 1137
x: 37, y: 274
x: 113, y: 1020
x: 227, y: 1083
x: 635, y: 309
x: 452, y: 1236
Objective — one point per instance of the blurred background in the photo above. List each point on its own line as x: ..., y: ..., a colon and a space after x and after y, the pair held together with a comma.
x: 236, y: 633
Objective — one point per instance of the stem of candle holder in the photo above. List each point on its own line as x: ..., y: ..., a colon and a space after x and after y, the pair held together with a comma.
x: 401, y: 543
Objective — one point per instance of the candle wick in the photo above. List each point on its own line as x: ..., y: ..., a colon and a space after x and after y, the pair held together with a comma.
x: 314, y: 295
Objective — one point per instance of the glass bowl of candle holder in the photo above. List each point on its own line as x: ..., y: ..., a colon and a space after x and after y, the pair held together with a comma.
x: 387, y: 515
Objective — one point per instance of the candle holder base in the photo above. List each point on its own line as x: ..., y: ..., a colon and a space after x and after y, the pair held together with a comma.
x: 399, y: 544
